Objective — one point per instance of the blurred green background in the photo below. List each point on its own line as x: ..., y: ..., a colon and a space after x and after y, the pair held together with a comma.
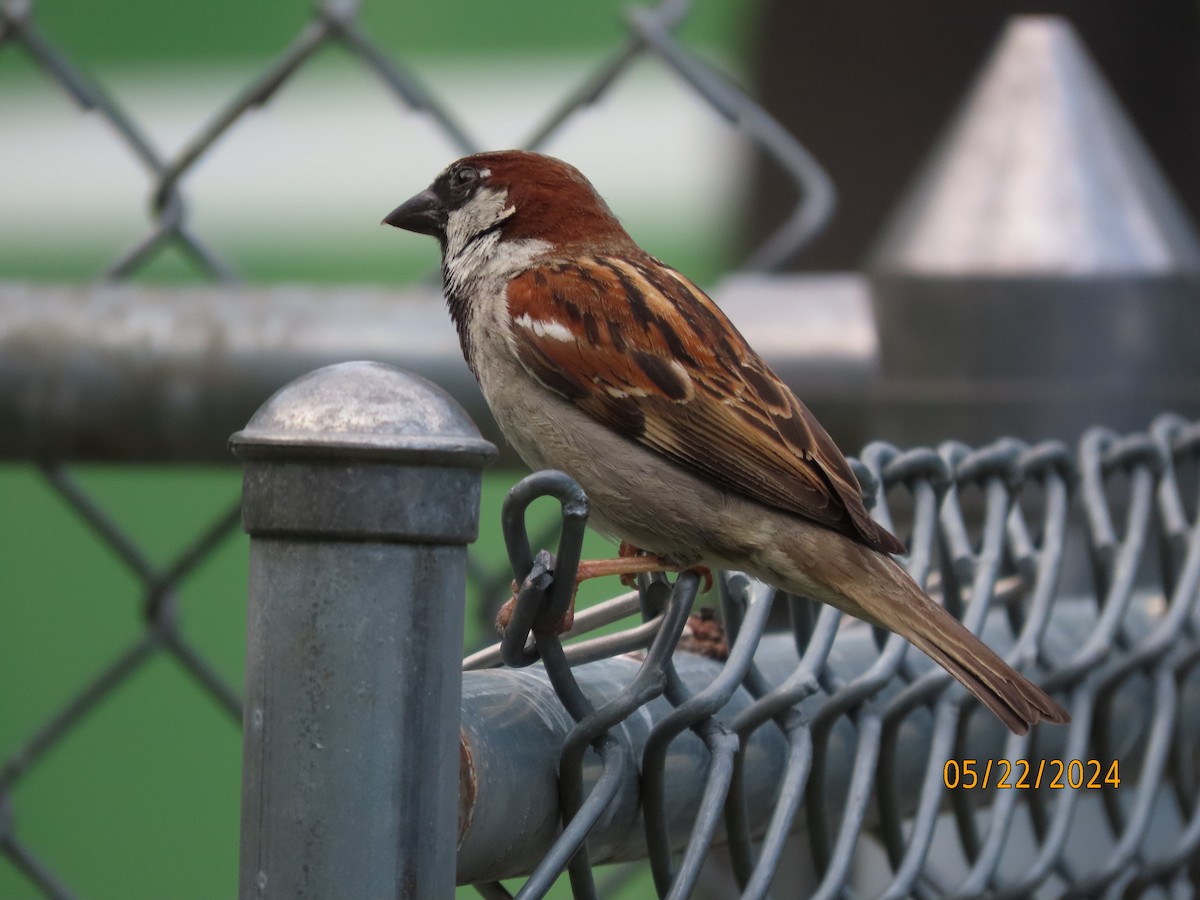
x: 295, y: 191
x: 141, y: 800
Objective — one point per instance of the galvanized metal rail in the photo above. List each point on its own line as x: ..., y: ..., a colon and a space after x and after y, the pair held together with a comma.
x: 118, y: 372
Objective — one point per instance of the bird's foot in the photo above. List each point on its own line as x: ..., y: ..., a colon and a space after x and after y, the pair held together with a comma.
x: 561, y: 625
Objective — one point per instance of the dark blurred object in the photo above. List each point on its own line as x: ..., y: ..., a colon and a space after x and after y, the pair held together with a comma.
x: 1039, y: 273
x: 869, y: 86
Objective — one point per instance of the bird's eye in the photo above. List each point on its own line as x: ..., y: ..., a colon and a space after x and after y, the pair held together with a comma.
x: 461, y: 179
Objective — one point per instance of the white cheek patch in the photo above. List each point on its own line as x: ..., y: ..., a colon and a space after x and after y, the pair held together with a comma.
x: 554, y: 331
x: 476, y: 260
x: 476, y: 216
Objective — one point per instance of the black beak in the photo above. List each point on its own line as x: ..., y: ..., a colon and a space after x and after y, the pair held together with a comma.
x: 425, y: 214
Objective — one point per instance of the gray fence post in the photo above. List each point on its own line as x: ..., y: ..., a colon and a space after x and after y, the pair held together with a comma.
x: 361, y: 491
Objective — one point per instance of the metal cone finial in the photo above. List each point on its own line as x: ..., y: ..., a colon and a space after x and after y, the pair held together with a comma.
x: 1040, y: 173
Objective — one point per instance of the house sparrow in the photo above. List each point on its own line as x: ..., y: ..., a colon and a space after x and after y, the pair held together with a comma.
x: 601, y: 361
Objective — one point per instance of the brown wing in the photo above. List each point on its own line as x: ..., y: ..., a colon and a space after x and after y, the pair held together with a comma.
x: 640, y: 348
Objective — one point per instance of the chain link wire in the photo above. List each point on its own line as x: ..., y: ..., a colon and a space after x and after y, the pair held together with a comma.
x: 159, y: 587
x: 988, y: 530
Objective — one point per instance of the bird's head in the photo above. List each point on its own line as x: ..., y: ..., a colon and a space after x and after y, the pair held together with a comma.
x: 516, y: 195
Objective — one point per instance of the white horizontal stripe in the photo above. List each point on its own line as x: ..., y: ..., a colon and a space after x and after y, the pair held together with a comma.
x: 555, y: 331
x: 333, y: 152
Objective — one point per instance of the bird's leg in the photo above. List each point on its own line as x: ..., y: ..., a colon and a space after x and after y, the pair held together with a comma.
x: 630, y: 562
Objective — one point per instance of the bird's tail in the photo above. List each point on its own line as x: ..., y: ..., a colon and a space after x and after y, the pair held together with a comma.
x: 904, y: 608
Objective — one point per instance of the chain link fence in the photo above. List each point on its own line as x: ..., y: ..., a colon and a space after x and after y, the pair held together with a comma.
x: 336, y: 22
x: 855, y: 730
x: 877, y: 742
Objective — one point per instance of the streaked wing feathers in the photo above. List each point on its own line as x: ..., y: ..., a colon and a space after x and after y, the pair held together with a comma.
x: 640, y: 348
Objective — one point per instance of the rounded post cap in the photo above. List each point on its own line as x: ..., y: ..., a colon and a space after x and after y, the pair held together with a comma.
x: 363, y: 410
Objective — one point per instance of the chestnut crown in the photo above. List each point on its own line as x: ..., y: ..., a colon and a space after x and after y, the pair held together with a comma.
x: 540, y: 197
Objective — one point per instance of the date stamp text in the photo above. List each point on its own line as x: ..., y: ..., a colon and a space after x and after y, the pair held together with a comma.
x: 1005, y: 774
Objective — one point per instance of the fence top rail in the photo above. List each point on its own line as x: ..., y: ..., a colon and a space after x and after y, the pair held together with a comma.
x: 128, y: 373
